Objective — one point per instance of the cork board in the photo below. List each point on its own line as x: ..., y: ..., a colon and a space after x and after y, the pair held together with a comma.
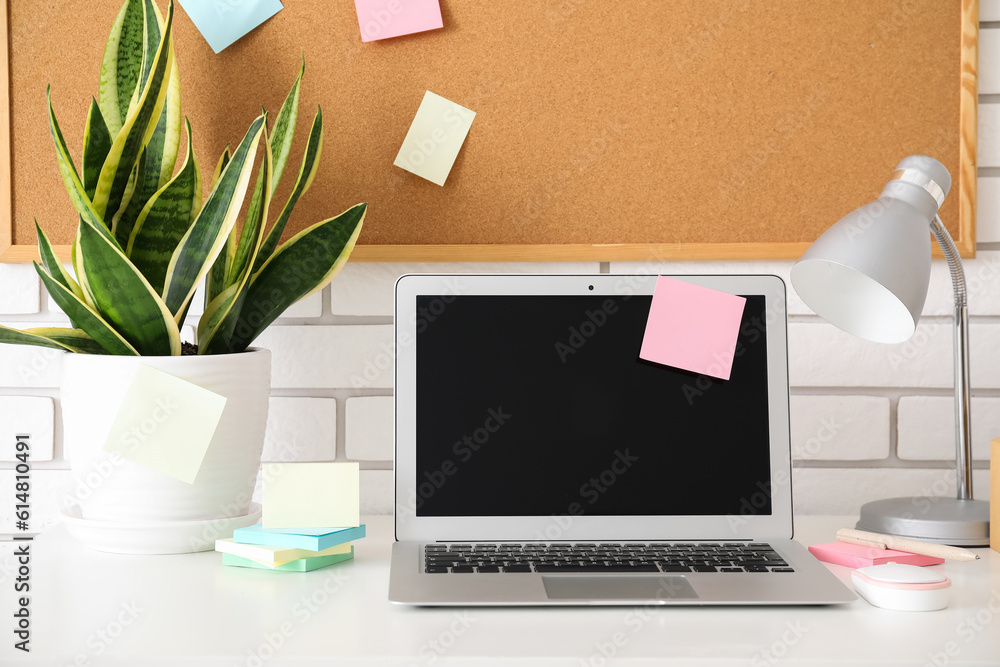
x: 604, y: 130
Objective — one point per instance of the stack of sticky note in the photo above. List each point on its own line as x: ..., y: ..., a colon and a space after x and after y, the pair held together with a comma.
x: 297, y: 550
x: 856, y: 555
x: 311, y: 514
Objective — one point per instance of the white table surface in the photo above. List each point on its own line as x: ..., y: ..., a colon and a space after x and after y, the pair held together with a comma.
x: 90, y: 608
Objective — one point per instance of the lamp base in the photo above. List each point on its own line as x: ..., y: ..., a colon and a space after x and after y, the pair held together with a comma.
x: 930, y: 519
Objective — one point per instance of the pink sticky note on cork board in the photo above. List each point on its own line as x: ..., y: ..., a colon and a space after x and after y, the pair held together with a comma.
x: 693, y: 328
x: 381, y: 19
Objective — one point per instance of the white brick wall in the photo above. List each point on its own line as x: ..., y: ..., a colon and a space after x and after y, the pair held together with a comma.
x: 27, y: 415
x: 20, y: 289
x: 845, y: 490
x: 988, y: 210
x: 301, y: 429
x: 27, y: 366
x: 369, y: 428
x: 840, y: 428
x: 862, y: 414
x: 989, y: 10
x: 989, y: 134
x: 311, y: 306
x: 989, y: 52
x: 820, y: 355
x: 376, y: 491
x: 352, y: 356
x: 926, y: 427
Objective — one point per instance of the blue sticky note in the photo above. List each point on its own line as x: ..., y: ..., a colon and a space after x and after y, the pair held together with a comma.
x: 313, y: 539
x: 222, y: 22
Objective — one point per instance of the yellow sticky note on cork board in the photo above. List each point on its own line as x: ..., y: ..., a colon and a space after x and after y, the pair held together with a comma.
x: 311, y: 495
x: 995, y: 494
x: 165, y: 423
x: 434, y: 139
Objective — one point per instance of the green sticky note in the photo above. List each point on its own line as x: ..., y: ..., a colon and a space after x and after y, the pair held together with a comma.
x: 269, y: 555
x: 434, y: 139
x: 310, y: 495
x: 298, y: 565
x: 165, y: 423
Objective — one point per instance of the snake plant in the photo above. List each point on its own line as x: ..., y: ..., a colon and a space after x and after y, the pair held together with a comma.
x: 146, y: 238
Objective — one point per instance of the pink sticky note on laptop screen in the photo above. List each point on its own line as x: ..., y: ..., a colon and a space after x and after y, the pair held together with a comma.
x: 381, y: 19
x: 693, y: 328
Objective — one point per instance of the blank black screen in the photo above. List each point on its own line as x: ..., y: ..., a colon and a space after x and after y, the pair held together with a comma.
x: 540, y: 405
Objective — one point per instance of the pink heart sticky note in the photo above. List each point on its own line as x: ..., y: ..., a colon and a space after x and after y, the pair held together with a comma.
x: 381, y: 19
x: 693, y: 328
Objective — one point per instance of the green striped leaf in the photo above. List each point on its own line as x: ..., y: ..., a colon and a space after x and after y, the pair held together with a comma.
x: 124, y: 298
x: 85, y: 318
x: 216, y: 325
x: 76, y: 260
x: 221, y: 165
x: 71, y: 179
x: 206, y: 238
x: 256, y: 221
x: 300, y: 267
x: 121, y: 65
x: 216, y: 281
x: 121, y: 226
x: 158, y: 159
x: 284, y: 129
x: 164, y: 220
x: 136, y: 131
x: 160, y: 152
x: 53, y: 265
x: 172, y: 127
x: 15, y: 337
x: 151, y: 26
x: 76, y: 340
x: 96, y: 144
x: 307, y: 172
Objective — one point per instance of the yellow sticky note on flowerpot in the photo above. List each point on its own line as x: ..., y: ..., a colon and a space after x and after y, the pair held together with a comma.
x: 310, y: 495
x: 165, y: 423
x: 434, y: 139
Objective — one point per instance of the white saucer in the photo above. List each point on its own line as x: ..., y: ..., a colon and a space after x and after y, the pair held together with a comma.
x: 160, y: 537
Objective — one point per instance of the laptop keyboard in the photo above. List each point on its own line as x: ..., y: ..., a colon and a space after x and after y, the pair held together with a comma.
x: 632, y: 557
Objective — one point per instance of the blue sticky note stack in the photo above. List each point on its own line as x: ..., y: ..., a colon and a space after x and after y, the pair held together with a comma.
x: 310, y: 539
x: 313, y: 539
x: 222, y: 22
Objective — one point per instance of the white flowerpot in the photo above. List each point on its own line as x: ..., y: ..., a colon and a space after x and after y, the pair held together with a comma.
x: 111, y: 490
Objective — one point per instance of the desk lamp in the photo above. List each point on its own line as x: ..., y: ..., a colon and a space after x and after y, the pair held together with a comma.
x: 868, y: 275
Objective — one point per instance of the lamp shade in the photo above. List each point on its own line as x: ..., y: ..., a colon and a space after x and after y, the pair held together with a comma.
x: 868, y: 273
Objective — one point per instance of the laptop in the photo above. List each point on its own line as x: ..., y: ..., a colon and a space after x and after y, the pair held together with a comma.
x: 540, y: 461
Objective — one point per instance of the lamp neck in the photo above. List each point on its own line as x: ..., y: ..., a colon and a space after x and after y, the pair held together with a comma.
x: 963, y: 394
x: 954, y: 260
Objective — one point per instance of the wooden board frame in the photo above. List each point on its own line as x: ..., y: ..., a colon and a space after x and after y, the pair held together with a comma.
x: 964, y: 189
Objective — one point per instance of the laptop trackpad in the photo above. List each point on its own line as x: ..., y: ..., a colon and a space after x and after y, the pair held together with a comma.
x: 612, y: 587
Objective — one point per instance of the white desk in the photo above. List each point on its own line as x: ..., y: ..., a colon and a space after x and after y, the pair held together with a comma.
x: 190, y: 610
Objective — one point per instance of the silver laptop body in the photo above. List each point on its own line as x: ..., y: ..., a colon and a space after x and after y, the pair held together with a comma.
x: 539, y: 461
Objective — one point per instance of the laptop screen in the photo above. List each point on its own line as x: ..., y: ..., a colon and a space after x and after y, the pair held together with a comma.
x: 538, y: 405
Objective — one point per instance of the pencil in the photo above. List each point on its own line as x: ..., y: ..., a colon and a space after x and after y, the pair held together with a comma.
x: 904, y: 544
